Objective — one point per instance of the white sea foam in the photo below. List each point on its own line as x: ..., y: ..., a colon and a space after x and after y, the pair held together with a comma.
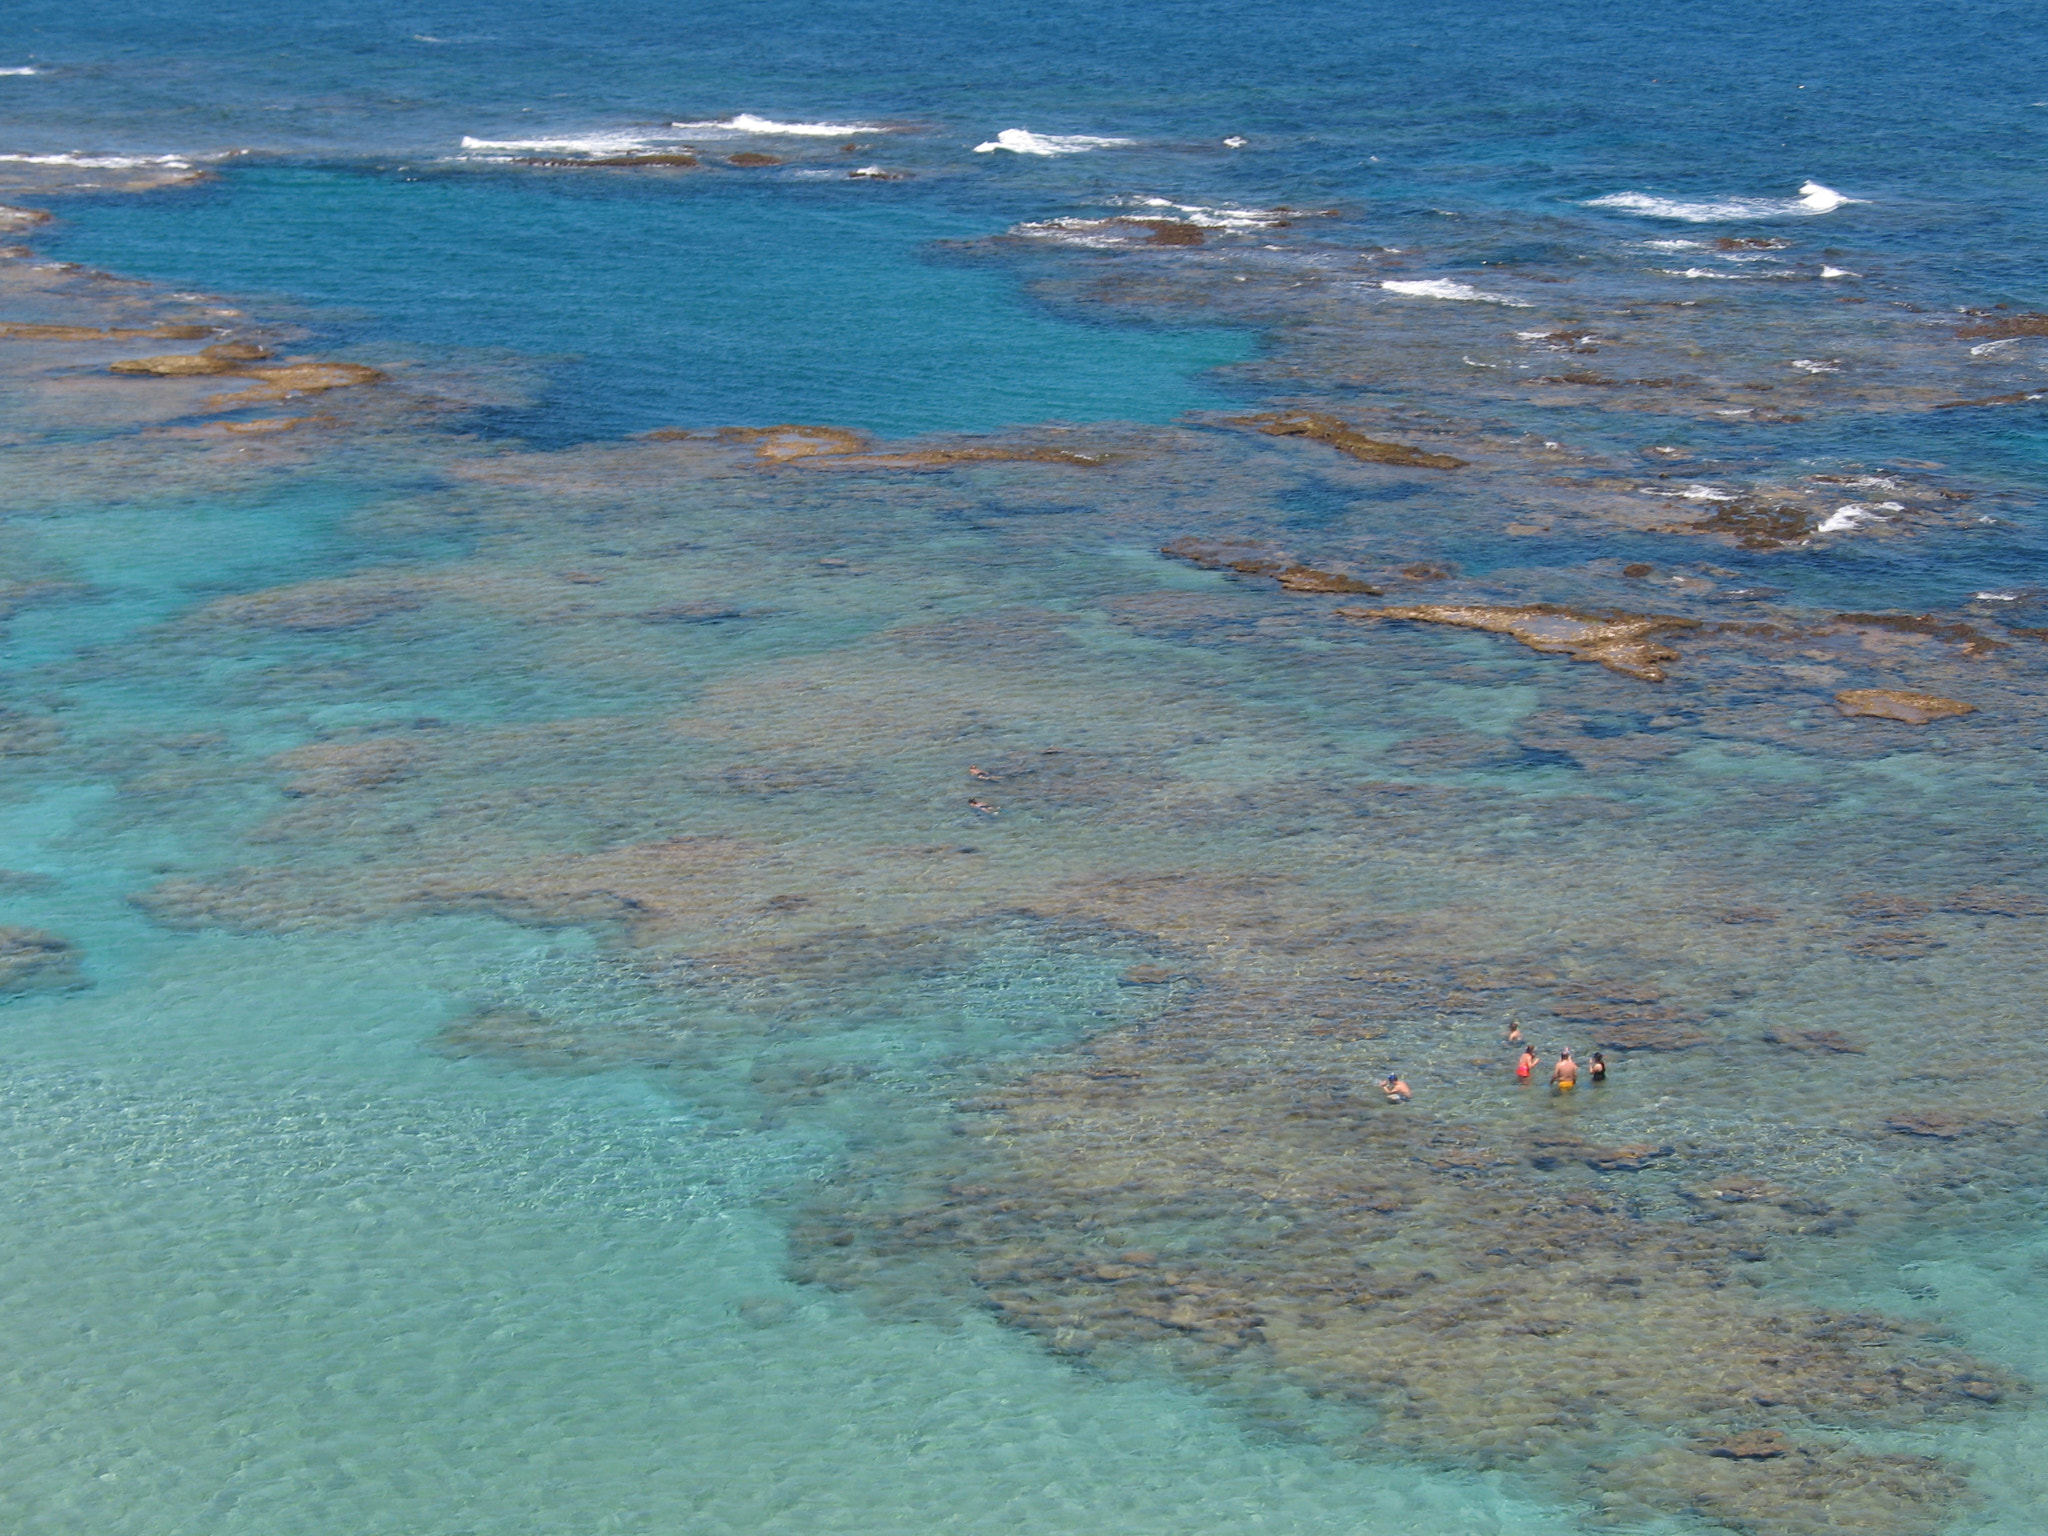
x: 1816, y: 365
x: 1445, y: 288
x: 1838, y: 272
x: 21, y: 69
x: 1700, y: 272
x: 1985, y: 348
x: 580, y: 144
x: 746, y: 125
x: 1022, y: 141
x: 104, y: 162
x: 1676, y: 245
x: 1690, y: 493
x: 1813, y: 198
x: 655, y: 141
x: 1088, y: 234
x: 1845, y: 519
x: 1241, y: 219
x: 1995, y: 597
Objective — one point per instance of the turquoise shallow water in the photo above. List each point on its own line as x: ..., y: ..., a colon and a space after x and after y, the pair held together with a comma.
x: 533, y: 1034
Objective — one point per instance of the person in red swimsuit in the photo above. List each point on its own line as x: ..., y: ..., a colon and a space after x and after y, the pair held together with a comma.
x: 1527, y: 1064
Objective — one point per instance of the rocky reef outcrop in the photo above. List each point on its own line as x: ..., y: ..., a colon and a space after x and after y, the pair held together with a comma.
x: 34, y: 960
x: 1346, y: 439
x: 1620, y: 642
x: 1900, y: 704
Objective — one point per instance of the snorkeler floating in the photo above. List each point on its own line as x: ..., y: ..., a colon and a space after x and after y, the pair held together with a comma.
x: 982, y: 774
x: 984, y: 807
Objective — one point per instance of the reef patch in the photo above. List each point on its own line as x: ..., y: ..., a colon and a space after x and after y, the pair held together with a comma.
x: 1620, y: 642
x: 1347, y: 439
x: 1900, y: 704
x: 34, y: 960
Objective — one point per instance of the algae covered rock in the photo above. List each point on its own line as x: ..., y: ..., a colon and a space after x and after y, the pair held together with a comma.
x: 174, y: 365
x: 1620, y: 642
x: 1900, y: 704
x: 1345, y: 438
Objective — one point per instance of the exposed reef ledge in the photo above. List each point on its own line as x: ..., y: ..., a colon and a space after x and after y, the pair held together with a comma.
x: 1345, y: 438
x: 1620, y: 642
x: 844, y: 448
x: 1901, y: 705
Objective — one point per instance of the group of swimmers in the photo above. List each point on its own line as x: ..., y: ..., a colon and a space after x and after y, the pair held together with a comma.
x: 1564, y: 1076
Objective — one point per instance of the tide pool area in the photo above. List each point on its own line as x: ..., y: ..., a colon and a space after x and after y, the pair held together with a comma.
x: 730, y: 747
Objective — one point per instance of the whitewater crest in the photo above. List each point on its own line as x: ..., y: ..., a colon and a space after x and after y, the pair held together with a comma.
x: 1022, y: 141
x: 747, y: 125
x: 668, y: 138
x: 105, y: 162
x: 577, y: 144
x: 1445, y: 288
x: 1813, y: 198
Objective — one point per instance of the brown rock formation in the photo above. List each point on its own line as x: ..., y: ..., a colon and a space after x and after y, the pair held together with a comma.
x: 1620, y: 642
x: 14, y: 220
x: 1256, y: 558
x: 2003, y: 326
x: 293, y: 379
x: 18, y: 332
x: 1167, y: 231
x: 32, y: 960
x: 974, y: 453
x: 1757, y: 524
x: 1898, y: 704
x: 1346, y: 438
x: 750, y: 159
x: 236, y: 351
x: 1303, y: 578
x: 1972, y: 640
x: 781, y: 444
x: 174, y: 365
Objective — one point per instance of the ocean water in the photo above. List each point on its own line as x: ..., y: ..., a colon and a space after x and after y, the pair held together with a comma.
x: 723, y: 829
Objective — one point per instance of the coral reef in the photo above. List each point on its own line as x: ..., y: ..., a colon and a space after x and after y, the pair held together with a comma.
x: 1900, y: 704
x: 33, y: 960
x: 1347, y: 439
x: 1620, y: 642
x: 1220, y: 1187
x: 13, y: 331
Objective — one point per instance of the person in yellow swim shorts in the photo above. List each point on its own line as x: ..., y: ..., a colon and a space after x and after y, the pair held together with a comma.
x: 1565, y: 1074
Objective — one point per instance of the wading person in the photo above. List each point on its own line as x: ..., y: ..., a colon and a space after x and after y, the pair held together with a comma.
x: 1565, y: 1075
